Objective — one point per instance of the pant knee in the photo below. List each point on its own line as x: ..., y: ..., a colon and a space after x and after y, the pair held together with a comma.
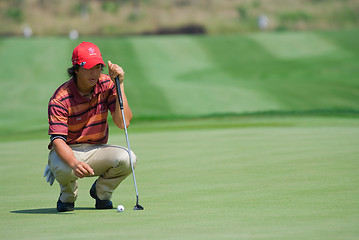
x: 124, y: 161
x: 133, y: 158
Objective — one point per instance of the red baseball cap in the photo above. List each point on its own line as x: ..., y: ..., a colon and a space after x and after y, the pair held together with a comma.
x: 87, y: 54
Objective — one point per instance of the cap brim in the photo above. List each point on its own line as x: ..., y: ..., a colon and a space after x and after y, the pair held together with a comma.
x: 93, y: 62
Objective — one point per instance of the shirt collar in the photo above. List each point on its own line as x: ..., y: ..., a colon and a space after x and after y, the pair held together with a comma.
x: 77, y: 95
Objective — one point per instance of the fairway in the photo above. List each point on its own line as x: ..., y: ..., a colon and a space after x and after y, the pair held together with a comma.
x: 247, y: 178
x: 190, y: 76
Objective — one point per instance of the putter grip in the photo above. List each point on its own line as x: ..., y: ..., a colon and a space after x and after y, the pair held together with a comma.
x: 119, y: 92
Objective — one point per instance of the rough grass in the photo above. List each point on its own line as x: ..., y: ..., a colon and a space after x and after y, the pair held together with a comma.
x: 123, y: 17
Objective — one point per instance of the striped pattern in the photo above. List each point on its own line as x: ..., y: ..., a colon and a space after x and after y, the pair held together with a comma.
x: 79, y: 119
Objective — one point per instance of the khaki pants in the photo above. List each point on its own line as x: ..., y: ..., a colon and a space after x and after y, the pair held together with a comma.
x: 110, y: 163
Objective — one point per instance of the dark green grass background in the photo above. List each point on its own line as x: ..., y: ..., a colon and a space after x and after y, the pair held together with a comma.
x: 186, y: 76
x: 238, y: 137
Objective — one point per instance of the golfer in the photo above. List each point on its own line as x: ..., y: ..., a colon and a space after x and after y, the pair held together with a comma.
x: 78, y: 129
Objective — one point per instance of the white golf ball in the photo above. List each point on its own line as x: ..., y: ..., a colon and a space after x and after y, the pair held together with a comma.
x: 120, y: 208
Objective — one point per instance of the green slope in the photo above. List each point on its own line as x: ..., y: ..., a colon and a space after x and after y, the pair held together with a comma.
x: 191, y: 76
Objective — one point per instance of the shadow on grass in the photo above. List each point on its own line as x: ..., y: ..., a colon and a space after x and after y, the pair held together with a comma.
x: 48, y: 211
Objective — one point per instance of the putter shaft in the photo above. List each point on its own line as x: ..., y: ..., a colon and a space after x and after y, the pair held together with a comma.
x: 137, y: 207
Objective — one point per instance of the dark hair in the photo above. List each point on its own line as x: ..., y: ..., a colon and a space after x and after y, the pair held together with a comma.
x: 72, y: 71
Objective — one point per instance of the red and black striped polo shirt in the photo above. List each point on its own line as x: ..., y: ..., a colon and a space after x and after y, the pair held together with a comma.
x: 78, y: 119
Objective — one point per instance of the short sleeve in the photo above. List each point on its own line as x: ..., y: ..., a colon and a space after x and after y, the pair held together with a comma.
x: 57, y: 117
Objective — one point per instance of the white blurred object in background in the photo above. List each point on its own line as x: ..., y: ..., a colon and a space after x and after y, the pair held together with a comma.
x: 263, y: 22
x: 27, y: 31
x: 73, y: 34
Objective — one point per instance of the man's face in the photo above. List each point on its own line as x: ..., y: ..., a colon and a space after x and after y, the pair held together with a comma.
x: 88, y: 77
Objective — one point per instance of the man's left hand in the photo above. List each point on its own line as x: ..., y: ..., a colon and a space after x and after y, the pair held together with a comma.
x: 114, y: 70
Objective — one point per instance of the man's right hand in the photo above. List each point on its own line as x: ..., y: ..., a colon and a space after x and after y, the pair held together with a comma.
x: 82, y: 169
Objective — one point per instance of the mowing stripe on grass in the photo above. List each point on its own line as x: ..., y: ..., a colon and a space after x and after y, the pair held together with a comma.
x: 145, y: 97
x: 187, y: 76
x: 294, y: 45
x: 192, y: 82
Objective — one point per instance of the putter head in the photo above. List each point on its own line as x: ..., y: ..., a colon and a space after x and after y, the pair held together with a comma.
x: 138, y: 207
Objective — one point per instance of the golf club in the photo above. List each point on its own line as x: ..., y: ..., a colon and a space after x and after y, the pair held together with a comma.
x: 137, y: 207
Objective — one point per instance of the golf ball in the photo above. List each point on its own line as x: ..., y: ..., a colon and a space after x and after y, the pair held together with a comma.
x: 120, y: 208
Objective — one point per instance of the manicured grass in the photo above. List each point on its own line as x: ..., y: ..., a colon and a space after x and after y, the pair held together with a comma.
x: 234, y: 178
x: 237, y: 137
x: 190, y: 76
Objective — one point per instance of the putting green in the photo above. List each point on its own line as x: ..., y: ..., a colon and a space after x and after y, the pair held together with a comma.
x: 234, y: 178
